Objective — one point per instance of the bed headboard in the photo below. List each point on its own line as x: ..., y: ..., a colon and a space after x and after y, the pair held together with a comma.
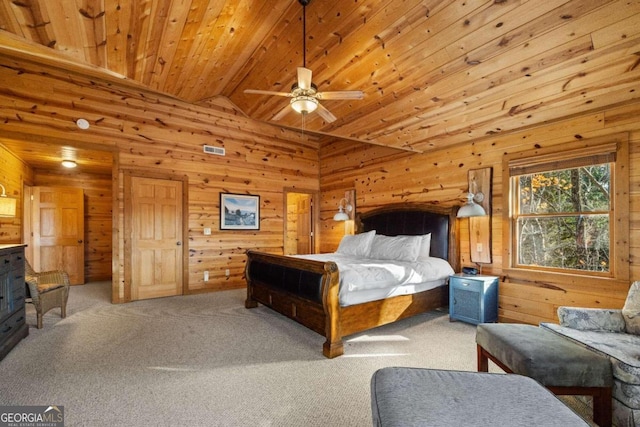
x: 416, y: 219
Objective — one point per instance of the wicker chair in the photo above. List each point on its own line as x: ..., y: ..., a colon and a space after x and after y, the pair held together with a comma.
x: 48, y: 289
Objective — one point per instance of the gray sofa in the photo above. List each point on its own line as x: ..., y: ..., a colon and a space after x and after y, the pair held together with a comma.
x: 614, y: 333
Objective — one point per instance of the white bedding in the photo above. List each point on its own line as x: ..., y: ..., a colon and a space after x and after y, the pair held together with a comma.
x: 365, y: 279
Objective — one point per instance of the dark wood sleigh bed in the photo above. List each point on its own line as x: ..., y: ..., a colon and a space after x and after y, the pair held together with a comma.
x: 307, y: 291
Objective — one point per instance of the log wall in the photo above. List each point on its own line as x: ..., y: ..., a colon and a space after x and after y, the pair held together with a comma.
x: 381, y: 176
x: 152, y: 134
x: 97, y: 192
x: 13, y: 172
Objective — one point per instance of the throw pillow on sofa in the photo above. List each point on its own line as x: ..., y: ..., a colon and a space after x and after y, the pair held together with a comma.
x: 631, y: 309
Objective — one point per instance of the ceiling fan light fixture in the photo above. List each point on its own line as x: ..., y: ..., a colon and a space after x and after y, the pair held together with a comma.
x: 304, y: 95
x: 304, y: 104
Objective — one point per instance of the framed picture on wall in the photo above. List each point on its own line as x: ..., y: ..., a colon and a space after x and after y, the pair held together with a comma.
x: 239, y: 212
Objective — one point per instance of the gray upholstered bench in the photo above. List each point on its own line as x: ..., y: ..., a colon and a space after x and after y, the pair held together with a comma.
x: 560, y: 365
x: 406, y: 397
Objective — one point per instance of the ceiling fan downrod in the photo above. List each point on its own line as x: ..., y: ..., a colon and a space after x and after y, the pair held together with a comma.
x: 304, y: 4
x: 304, y: 95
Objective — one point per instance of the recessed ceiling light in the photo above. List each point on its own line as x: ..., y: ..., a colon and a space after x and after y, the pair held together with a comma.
x: 82, y: 124
x: 69, y: 164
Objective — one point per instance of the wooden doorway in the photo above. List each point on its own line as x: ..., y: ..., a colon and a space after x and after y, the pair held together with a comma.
x: 300, y: 222
x: 57, y: 225
x: 154, y: 236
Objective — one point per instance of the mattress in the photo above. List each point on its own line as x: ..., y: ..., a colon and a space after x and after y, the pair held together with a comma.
x: 365, y: 279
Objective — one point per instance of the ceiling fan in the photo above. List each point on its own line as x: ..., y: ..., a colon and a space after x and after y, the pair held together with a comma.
x: 304, y: 94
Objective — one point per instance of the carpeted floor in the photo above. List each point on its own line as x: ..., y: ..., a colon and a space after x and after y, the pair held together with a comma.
x: 205, y: 360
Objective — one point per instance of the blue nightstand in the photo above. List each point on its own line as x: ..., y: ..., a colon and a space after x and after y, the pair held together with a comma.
x: 473, y: 299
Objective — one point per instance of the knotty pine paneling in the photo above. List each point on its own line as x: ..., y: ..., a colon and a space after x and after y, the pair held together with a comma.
x: 155, y: 135
x: 434, y: 73
x: 381, y: 176
x: 13, y: 172
x: 523, y: 301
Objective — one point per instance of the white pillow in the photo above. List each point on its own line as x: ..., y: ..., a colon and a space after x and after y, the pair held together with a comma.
x: 425, y: 247
x: 356, y: 244
x: 398, y: 248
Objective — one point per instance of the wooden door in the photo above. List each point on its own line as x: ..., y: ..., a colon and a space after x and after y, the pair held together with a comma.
x: 300, y: 222
x: 304, y: 230
x: 27, y: 222
x: 156, y: 238
x: 58, y: 231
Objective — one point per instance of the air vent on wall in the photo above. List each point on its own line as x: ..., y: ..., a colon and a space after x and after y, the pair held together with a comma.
x: 219, y: 151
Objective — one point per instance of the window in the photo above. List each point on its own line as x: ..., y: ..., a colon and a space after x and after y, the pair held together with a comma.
x: 562, y: 218
x: 568, y: 211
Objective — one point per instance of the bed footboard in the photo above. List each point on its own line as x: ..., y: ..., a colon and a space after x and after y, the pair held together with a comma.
x: 303, y: 290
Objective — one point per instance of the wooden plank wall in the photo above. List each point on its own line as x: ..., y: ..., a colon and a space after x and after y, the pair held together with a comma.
x: 13, y: 172
x: 153, y: 135
x: 381, y: 176
x: 98, y: 202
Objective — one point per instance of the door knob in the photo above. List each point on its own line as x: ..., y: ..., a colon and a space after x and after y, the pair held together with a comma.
x: 178, y: 243
x: 80, y: 241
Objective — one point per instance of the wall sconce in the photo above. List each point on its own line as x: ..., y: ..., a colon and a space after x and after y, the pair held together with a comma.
x: 342, y: 215
x: 345, y: 207
x: 478, y: 210
x: 472, y: 208
x: 7, y: 204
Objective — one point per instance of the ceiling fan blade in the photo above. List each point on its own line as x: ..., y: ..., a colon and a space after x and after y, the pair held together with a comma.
x: 304, y: 78
x: 341, y: 94
x: 325, y: 114
x: 267, y: 92
x: 280, y: 114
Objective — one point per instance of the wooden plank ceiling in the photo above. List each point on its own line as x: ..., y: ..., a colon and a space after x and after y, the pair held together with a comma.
x: 434, y: 72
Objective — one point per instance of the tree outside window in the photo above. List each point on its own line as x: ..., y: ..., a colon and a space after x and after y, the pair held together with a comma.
x: 566, y: 214
x: 563, y: 218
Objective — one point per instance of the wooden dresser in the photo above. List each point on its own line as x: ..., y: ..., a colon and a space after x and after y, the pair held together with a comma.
x: 13, y: 326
